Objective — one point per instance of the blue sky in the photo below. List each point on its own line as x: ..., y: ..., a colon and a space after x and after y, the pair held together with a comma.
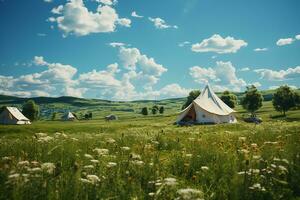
x: 138, y: 49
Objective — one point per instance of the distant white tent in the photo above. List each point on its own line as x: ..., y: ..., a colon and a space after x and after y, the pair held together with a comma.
x: 207, y: 108
x: 69, y: 116
x: 12, y: 115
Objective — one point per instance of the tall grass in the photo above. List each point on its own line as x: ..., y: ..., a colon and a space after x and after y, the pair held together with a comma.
x: 151, y: 160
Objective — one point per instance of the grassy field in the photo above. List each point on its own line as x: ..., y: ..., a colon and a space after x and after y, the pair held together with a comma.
x: 140, y: 157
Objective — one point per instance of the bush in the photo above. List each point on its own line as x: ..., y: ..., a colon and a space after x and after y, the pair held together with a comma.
x: 161, y: 110
x: 252, y: 100
x: 144, y: 111
x: 31, y: 110
x: 229, y: 99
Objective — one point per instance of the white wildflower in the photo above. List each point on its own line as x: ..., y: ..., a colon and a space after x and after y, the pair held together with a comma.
x: 14, y: 176
x: 125, y: 148
x: 88, y: 156
x: 189, y: 194
x: 48, y: 167
x: 135, y: 156
x: 23, y: 163
x: 93, y: 179
x: 188, y: 155
x: 254, y: 145
x: 204, y: 168
x: 111, y: 141
x: 101, y: 152
x: 95, y: 161
x: 282, y: 168
x: 88, y: 167
x: 111, y: 164
x: 242, y: 139
x: 137, y: 162
x: 151, y: 194
x: 170, y: 181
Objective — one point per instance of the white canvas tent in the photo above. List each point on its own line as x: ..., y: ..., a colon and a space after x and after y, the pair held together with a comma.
x: 12, y: 115
x: 69, y: 116
x: 207, y: 108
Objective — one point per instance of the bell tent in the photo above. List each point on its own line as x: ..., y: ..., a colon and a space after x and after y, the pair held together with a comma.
x: 12, y: 115
x: 69, y: 117
x: 207, y: 108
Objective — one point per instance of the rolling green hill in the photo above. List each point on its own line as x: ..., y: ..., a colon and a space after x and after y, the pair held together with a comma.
x: 101, y: 108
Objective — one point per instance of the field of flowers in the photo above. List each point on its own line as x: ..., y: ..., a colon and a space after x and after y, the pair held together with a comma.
x: 147, y: 160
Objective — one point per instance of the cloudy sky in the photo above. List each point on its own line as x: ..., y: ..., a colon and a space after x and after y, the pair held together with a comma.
x: 141, y: 49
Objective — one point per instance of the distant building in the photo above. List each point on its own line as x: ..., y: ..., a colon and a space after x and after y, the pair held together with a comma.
x: 12, y: 115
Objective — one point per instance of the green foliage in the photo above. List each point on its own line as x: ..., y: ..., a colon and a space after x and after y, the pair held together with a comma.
x: 284, y: 99
x: 192, y: 96
x: 53, y: 116
x: 31, y: 110
x: 154, y: 110
x: 144, y: 111
x: 229, y: 99
x: 87, y: 116
x: 2, y: 108
x: 252, y: 100
x: 161, y: 110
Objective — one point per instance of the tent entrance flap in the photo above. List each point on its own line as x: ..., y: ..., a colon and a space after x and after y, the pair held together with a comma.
x: 191, y: 115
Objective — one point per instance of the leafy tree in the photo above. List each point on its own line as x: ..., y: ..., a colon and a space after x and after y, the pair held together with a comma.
x: 154, y: 110
x: 90, y: 115
x: 252, y: 100
x: 31, y: 110
x: 284, y: 99
x: 192, y: 96
x: 2, y: 108
x: 156, y: 107
x: 144, y: 111
x: 53, y: 116
x: 229, y: 98
x: 86, y: 116
x: 161, y: 110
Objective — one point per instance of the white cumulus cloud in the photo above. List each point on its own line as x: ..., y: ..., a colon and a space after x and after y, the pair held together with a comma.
x: 134, y: 14
x: 75, y: 18
x: 273, y: 75
x: 218, y: 44
x: 222, y: 76
x: 284, y: 41
x: 160, y: 23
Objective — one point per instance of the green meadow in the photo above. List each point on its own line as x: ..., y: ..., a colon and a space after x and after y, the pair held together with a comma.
x: 148, y: 157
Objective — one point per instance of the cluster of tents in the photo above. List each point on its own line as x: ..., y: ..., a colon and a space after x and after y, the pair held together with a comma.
x: 207, y: 108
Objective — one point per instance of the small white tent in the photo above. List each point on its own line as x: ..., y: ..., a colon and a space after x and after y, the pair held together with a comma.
x: 12, y: 115
x: 69, y: 116
x: 207, y: 108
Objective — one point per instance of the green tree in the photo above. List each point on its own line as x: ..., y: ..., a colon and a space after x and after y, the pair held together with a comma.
x: 284, y: 99
x: 229, y: 98
x: 144, y: 111
x: 31, y: 110
x: 53, y: 116
x: 192, y: 96
x: 154, y: 110
x: 252, y: 100
x: 2, y: 108
x: 161, y: 110
x: 90, y: 115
